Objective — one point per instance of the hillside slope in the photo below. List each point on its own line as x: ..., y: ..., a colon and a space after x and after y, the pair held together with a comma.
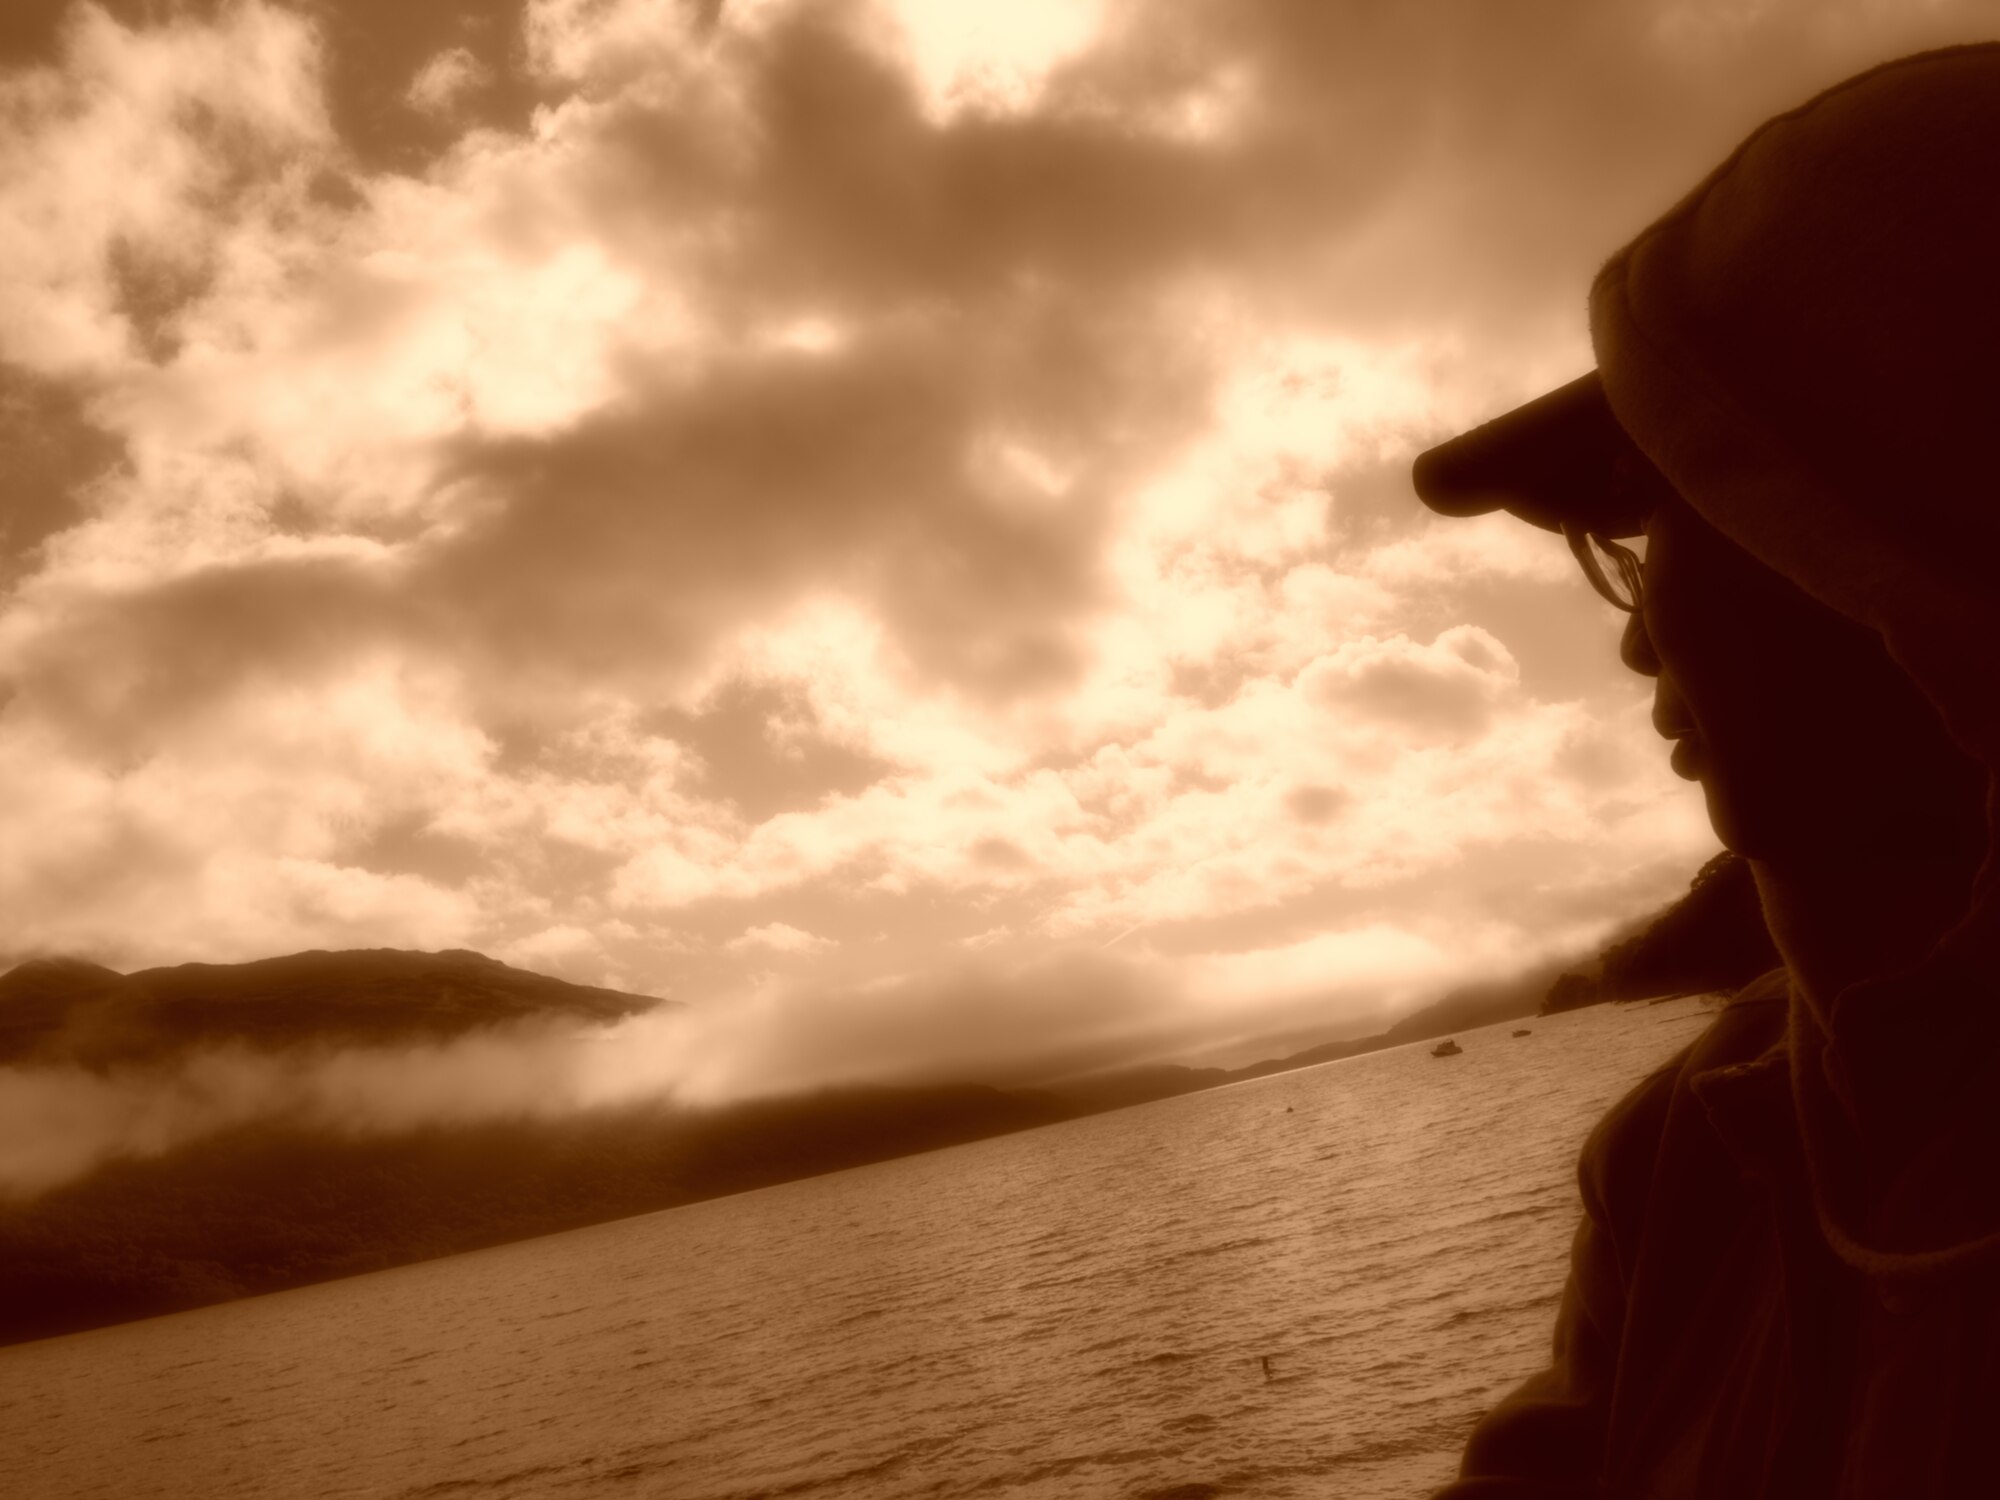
x: 70, y: 1011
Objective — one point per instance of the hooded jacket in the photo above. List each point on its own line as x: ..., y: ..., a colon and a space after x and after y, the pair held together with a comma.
x: 1808, y: 347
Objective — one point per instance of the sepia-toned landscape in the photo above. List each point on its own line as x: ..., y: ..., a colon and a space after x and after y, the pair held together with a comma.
x: 734, y: 762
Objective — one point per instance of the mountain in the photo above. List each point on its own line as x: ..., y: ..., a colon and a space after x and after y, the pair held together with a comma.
x: 36, y: 997
x: 274, y: 1205
x: 54, y: 980
x: 57, y: 1010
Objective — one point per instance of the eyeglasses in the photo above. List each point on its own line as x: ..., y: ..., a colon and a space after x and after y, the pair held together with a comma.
x: 1628, y: 592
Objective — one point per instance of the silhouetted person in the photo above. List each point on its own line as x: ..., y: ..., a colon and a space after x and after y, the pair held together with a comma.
x: 1787, y: 1281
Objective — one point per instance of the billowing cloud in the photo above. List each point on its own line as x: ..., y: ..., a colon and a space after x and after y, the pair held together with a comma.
x: 599, y: 482
x: 1446, y: 689
x: 442, y: 84
x: 778, y: 937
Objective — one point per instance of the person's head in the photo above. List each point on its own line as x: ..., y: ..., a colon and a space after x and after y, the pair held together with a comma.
x: 1795, y: 381
x: 1809, y: 742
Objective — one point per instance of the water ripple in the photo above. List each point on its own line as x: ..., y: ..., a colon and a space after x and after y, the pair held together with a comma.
x: 1310, y: 1284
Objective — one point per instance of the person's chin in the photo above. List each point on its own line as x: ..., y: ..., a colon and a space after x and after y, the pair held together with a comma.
x: 1736, y: 821
x: 1740, y: 836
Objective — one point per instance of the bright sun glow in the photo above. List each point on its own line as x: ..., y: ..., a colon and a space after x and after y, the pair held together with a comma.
x: 991, y: 56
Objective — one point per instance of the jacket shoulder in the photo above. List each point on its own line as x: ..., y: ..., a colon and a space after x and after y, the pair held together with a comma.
x: 1615, y: 1172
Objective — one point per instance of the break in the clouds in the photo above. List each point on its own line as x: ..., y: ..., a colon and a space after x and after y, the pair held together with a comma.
x: 831, y: 501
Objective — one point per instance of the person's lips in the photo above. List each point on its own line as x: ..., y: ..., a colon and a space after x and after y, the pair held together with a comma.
x: 1687, y: 757
x: 1673, y: 722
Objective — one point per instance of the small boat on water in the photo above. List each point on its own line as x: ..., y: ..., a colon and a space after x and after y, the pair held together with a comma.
x: 1524, y: 1033
x: 1446, y: 1048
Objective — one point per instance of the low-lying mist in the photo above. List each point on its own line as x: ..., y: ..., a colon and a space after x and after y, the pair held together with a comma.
x: 1061, y: 1016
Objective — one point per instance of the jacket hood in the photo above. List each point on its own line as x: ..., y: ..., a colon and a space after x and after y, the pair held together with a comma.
x: 1808, y: 347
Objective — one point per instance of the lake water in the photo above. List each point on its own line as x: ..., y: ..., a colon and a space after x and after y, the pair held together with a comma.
x: 1305, y: 1286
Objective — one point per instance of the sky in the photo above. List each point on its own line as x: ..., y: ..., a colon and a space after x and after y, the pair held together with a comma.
x: 886, y: 519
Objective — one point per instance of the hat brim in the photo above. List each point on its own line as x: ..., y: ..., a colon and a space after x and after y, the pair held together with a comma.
x: 1561, y: 459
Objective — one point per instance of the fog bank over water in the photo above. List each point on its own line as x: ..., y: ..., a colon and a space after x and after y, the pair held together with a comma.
x: 987, y: 1022
x: 58, y: 1124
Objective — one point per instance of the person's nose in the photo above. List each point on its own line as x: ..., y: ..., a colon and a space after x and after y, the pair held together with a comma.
x: 1635, y: 648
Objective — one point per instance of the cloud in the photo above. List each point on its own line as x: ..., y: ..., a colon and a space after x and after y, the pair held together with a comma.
x: 989, y: 61
x: 54, y: 453
x: 557, y: 947
x: 779, y: 937
x: 123, y: 173
x: 443, y: 83
x: 596, y: 481
x: 222, y: 834
x: 1449, y: 688
x: 695, y: 513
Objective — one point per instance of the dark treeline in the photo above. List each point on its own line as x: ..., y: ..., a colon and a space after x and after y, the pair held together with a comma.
x: 1713, y: 938
x: 261, y: 1210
